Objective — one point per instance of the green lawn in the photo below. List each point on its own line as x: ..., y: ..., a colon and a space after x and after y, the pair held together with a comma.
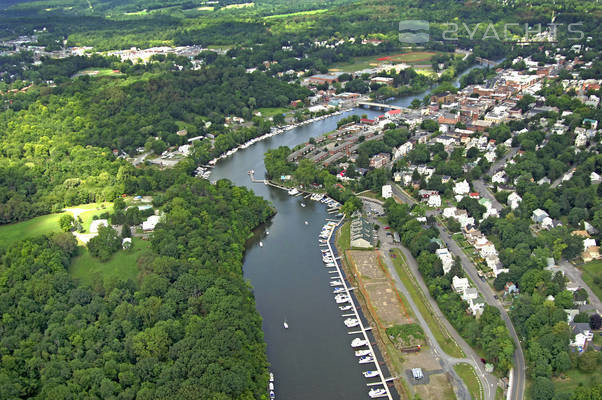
x: 592, y: 272
x: 575, y: 378
x: 97, y: 72
x: 359, y: 63
x: 88, y: 216
x: 343, y: 241
x: 122, y: 266
x: 298, y: 13
x: 468, y: 375
x: 445, y: 341
x: 41, y: 225
x: 271, y: 111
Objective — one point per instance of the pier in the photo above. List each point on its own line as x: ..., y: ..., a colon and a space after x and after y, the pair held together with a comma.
x: 355, y: 313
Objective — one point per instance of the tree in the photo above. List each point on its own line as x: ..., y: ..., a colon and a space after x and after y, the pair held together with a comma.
x: 542, y: 389
x: 588, y: 361
x: 126, y: 231
x: 119, y: 204
x: 66, y: 222
x: 105, y: 244
x: 595, y: 321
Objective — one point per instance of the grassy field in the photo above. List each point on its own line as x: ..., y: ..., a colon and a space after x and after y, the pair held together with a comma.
x: 88, y: 216
x: 592, y: 271
x: 468, y: 375
x: 575, y: 378
x: 445, y: 341
x: 97, y: 72
x: 34, y: 227
x: 344, y: 238
x: 299, y: 13
x: 122, y: 266
x: 359, y: 63
x: 270, y: 112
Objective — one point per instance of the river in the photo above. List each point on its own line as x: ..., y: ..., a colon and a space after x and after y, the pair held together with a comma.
x: 312, y: 359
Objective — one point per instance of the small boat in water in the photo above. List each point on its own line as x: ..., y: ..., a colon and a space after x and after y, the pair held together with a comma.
x: 271, y: 386
x: 267, y: 232
x: 345, y: 308
x: 336, y: 283
x: 285, y: 324
x: 351, y: 322
x: 293, y: 192
x: 341, y: 298
x: 370, y: 374
x: 357, y: 342
x: 272, y: 395
x: 366, y: 360
x: 361, y: 353
x: 302, y: 204
x: 306, y: 223
x: 271, y: 377
x: 260, y: 244
x: 373, y: 393
x: 338, y: 290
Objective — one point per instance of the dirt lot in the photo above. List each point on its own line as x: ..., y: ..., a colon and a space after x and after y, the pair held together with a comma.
x: 387, y: 309
x: 384, y: 299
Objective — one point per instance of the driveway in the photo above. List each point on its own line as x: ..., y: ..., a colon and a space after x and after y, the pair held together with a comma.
x: 574, y: 275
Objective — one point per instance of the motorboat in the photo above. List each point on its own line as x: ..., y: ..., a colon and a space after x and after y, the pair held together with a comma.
x: 370, y: 374
x: 357, y: 342
x: 271, y: 377
x: 267, y: 232
x: 330, y: 265
x: 306, y: 223
x: 338, y: 290
x: 260, y: 244
x: 342, y: 299
x: 351, y: 322
x: 293, y: 192
x: 345, y: 308
x: 336, y: 283
x: 272, y: 395
x: 285, y: 324
x: 366, y: 360
x: 302, y: 204
x: 361, y: 353
x: 271, y: 386
x: 373, y: 393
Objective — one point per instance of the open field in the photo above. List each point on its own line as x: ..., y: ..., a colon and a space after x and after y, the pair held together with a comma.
x: 575, y: 378
x: 98, y: 72
x: 270, y: 112
x: 592, y: 275
x: 468, y: 375
x: 37, y: 226
x: 359, y: 63
x: 445, y: 341
x: 122, y: 266
x: 299, y: 13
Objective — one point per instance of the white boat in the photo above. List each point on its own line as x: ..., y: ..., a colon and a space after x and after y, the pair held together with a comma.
x: 366, y: 360
x: 330, y: 265
x: 336, y: 283
x: 342, y: 299
x: 271, y: 377
x: 345, y: 308
x: 357, y: 342
x: 338, y: 290
x: 306, y: 223
x: 260, y: 244
x: 272, y: 395
x: 302, y: 204
x: 351, y: 322
x: 267, y: 232
x: 370, y: 374
x: 285, y: 324
x: 361, y: 353
x: 373, y: 393
x: 293, y: 192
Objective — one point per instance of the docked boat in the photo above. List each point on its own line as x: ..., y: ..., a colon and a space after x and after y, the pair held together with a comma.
x: 260, y: 244
x: 306, y: 223
x: 338, y: 290
x: 341, y: 299
x: 345, y: 308
x: 330, y: 265
x: 271, y: 377
x: 272, y: 395
x: 370, y: 374
x: 351, y: 322
x: 267, y: 232
x: 366, y: 360
x: 302, y: 204
x: 336, y: 283
x: 293, y: 192
x: 357, y: 342
x: 271, y: 386
x: 285, y: 324
x: 361, y: 353
x: 373, y: 393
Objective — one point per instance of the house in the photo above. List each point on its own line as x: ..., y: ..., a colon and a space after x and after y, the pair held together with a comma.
x: 462, y: 188
x: 362, y: 233
x: 382, y: 80
x: 379, y: 160
x: 150, y: 223
x: 97, y: 223
x: 322, y: 78
x: 476, y: 306
x: 514, y: 200
x: 402, y: 150
x: 539, y: 215
x: 470, y: 294
x: 547, y: 223
x: 583, y: 335
x: 460, y: 284
x: 499, y: 177
x: 434, y: 201
x: 387, y: 191
x: 446, y: 259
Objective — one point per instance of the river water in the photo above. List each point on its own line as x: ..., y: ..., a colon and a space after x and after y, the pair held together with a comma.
x: 313, y: 359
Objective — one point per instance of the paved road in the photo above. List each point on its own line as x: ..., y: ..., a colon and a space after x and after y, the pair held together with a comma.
x: 575, y: 276
x: 488, y: 381
x: 518, y: 371
x: 484, y: 191
x: 402, y: 194
x: 497, y: 165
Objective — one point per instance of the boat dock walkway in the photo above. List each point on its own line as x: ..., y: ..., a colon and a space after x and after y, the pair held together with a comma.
x: 363, y: 329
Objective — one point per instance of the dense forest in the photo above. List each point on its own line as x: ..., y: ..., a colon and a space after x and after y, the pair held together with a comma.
x: 187, y: 328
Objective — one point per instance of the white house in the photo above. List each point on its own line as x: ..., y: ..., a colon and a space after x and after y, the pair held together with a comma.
x: 499, y: 177
x: 514, y: 200
x: 462, y: 188
x: 446, y: 259
x: 476, y: 306
x: 595, y: 178
x: 470, y: 294
x: 587, y: 243
x: 387, y: 191
x: 434, y: 200
x: 539, y: 215
x: 150, y: 223
x: 460, y: 284
x: 403, y: 150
